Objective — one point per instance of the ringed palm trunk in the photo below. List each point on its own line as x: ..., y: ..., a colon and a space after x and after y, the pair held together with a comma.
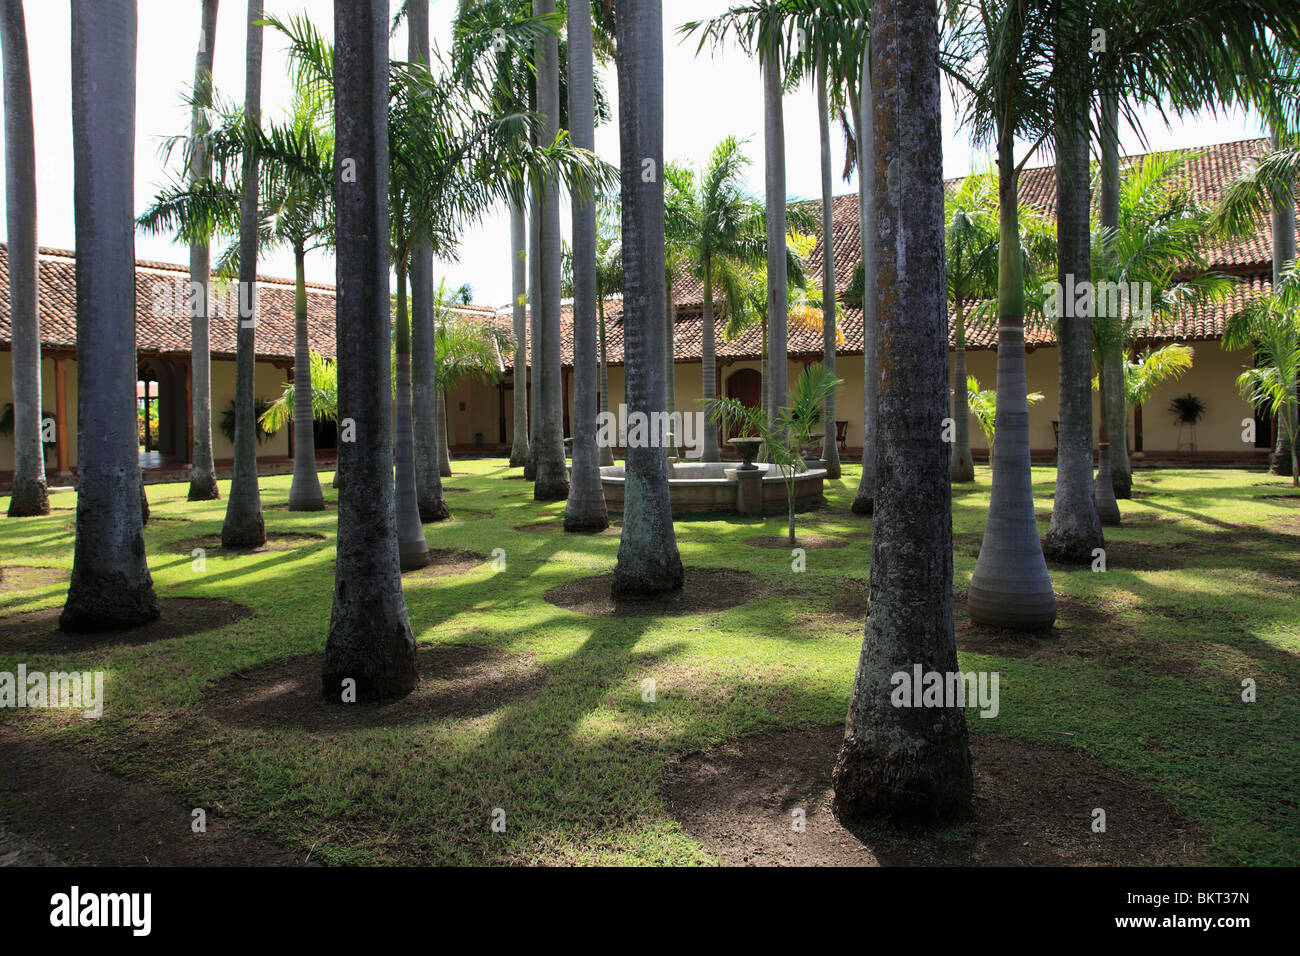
x: 1075, y: 530
x: 648, y: 561
x: 864, y: 500
x: 1010, y: 586
x: 1114, y: 417
x: 370, y: 642
x: 412, y: 548
x: 585, y: 510
x: 111, y: 586
x: 831, y: 445
x: 1284, y: 251
x: 444, y: 434
x: 305, y: 492
x: 606, y: 451
x: 670, y: 368
x: 774, y: 175
x: 963, y: 464
x: 203, y: 472
x: 552, y: 482
x: 909, y: 763
x: 709, y: 361
x: 244, y: 526
x: 518, y: 271
x: 535, y: 331
x: 28, y: 496
x: 430, y: 500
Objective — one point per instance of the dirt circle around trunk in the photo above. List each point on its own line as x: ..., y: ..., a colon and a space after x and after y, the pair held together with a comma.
x: 275, y: 541
x: 456, y: 680
x: 703, y: 591
x: 780, y: 542
x: 446, y: 562
x: 1033, y: 806
x: 37, y: 632
x: 24, y: 577
x: 284, y: 506
x: 615, y: 530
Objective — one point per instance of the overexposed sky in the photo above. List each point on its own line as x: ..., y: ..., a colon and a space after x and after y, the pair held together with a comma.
x: 706, y: 98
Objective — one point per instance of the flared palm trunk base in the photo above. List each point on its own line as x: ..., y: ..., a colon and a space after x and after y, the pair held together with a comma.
x: 918, y: 779
x: 108, y: 601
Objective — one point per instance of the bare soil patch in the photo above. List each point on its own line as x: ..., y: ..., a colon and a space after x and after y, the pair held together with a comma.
x: 780, y: 542
x: 446, y: 561
x: 704, y: 590
x: 56, y: 807
x: 615, y: 529
x: 462, y: 514
x: 275, y: 541
x: 456, y: 680
x: 38, y: 631
x: 1033, y: 807
x: 284, y: 506
x: 20, y: 577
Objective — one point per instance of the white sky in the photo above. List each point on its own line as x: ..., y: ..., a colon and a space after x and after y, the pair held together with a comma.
x: 706, y: 98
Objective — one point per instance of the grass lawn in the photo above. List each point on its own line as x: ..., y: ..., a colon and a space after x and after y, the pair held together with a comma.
x: 1145, y: 671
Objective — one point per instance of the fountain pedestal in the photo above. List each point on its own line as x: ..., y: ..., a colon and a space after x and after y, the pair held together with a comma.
x: 749, y: 491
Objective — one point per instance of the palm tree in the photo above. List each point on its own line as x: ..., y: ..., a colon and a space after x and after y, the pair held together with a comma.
x: 648, y: 562
x: 1075, y: 531
x: 111, y: 586
x: 897, y: 762
x: 28, y: 495
x: 1271, y: 325
x: 609, y: 280
x: 203, y: 472
x: 370, y: 649
x: 585, y: 510
x: 983, y: 404
x: 1010, y: 586
x: 519, y: 322
x: 864, y: 499
x: 244, y: 526
x: 719, y: 225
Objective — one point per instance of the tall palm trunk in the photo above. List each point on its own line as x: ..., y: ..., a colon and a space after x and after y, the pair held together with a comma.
x: 534, y: 328
x: 1075, y: 531
x: 963, y: 464
x: 552, y: 482
x: 244, y: 526
x: 1011, y: 586
x: 606, y: 451
x: 203, y: 471
x: 774, y: 177
x: 864, y: 500
x: 28, y: 496
x: 831, y: 445
x: 304, y: 492
x: 648, y: 562
x: 1284, y: 251
x: 518, y: 284
x: 709, y: 360
x: 370, y: 642
x: 1114, y: 417
x: 430, y: 500
x: 670, y: 367
x: 585, y: 510
x: 444, y: 434
x: 908, y: 762
x: 412, y: 548
x: 111, y: 585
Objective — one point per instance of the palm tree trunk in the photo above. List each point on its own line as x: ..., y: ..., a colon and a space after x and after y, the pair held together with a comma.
x: 774, y: 176
x: 709, y: 361
x: 244, y: 526
x: 1284, y: 251
x: 304, y: 492
x: 28, y: 495
x: 370, y: 648
x: 518, y: 283
x: 111, y: 586
x: 1011, y: 586
x: 648, y: 562
x: 831, y: 445
x: 203, y: 471
x: 412, y: 548
x: 424, y: 420
x: 585, y: 510
x: 606, y: 451
x: 1075, y: 531
x: 864, y: 500
x: 552, y: 482
x: 1112, y: 360
x: 900, y: 762
x: 535, y: 330
x: 444, y: 434
x: 963, y: 463
x: 670, y: 368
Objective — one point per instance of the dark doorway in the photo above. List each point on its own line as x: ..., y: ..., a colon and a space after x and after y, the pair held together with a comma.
x: 746, y: 384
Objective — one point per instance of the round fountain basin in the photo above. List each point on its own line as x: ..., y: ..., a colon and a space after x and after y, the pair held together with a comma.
x: 696, y: 486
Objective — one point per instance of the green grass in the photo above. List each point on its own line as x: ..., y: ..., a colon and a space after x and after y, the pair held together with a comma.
x: 1145, y: 672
